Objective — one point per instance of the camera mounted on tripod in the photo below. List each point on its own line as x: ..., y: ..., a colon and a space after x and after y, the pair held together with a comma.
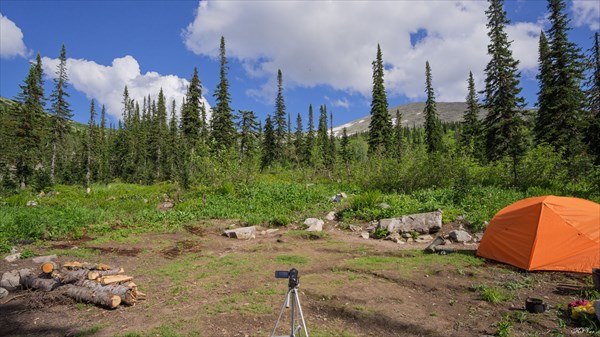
x: 291, y: 275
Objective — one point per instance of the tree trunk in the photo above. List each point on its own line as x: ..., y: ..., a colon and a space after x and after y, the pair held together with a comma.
x: 45, y: 284
x: 127, y: 294
x: 97, y: 297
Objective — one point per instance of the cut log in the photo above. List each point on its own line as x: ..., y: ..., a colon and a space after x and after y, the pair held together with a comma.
x: 127, y: 294
x: 74, y: 265
x: 71, y: 276
x: 45, y: 284
x: 115, y: 279
x: 84, y: 294
x: 95, y: 274
x: 49, y: 267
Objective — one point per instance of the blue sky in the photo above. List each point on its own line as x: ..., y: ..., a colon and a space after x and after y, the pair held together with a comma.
x: 324, y: 48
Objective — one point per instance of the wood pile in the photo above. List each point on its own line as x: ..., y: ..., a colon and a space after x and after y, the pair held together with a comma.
x: 99, y: 283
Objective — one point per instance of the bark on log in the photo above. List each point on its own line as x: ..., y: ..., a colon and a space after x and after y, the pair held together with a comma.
x: 105, y: 299
x: 45, y: 284
x: 71, y: 276
x: 49, y: 267
x: 127, y: 294
x: 74, y: 265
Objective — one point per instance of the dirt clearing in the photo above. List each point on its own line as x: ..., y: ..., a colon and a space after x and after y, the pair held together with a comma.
x: 199, y: 283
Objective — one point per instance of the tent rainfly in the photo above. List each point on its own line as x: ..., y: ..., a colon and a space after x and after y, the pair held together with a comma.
x: 545, y: 233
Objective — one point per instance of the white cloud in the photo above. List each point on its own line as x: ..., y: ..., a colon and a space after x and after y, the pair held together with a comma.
x: 333, y: 43
x: 587, y: 13
x: 105, y: 84
x: 11, y: 39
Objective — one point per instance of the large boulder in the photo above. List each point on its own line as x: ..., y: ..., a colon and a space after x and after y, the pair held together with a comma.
x: 244, y: 233
x: 460, y: 236
x: 314, y: 224
x: 422, y: 223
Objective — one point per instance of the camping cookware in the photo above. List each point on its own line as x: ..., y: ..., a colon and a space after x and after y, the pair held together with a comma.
x: 535, y: 305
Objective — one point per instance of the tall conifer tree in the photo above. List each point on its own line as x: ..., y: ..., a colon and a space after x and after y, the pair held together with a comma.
x: 191, y: 112
x: 248, y: 133
x: 380, y: 128
x: 471, y: 126
x: 222, y: 124
x: 90, y: 149
x: 269, y: 144
x: 60, y: 109
x: 310, y: 137
x: 299, y: 139
x: 559, y: 120
x: 593, y: 102
x: 503, y: 123
x: 279, y: 122
x: 433, y: 129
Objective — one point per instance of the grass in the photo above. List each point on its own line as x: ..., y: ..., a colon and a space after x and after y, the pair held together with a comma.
x: 412, y: 261
x: 291, y: 259
x: 492, y: 294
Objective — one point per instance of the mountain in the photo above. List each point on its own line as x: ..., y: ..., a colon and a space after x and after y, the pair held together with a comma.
x: 412, y: 114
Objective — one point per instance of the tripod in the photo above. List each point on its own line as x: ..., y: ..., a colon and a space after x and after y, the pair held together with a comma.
x: 293, y: 293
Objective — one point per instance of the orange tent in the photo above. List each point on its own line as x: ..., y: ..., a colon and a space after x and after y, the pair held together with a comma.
x: 545, y: 233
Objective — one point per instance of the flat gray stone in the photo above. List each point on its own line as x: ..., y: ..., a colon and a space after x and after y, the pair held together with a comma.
x: 424, y: 238
x: 460, y: 236
x: 44, y: 259
x: 422, y: 223
x: 314, y: 224
x: 330, y: 216
x: 244, y: 233
x: 355, y: 228
x: 364, y: 235
x: 3, y: 292
x: 10, y: 280
x: 12, y: 257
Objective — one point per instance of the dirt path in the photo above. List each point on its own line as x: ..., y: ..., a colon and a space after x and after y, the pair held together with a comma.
x: 202, y: 284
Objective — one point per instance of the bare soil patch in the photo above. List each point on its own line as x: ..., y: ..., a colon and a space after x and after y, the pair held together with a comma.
x: 200, y: 283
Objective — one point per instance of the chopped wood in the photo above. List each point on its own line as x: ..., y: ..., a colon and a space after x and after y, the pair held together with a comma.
x: 95, y: 274
x: 72, y: 265
x: 97, y: 297
x: 140, y: 295
x: 85, y: 265
x: 115, y: 279
x: 49, y: 267
x: 71, y: 276
x: 127, y: 294
x: 45, y: 284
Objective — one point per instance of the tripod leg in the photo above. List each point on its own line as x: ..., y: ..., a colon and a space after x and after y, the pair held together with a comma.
x: 285, y: 304
x: 292, y: 334
x: 301, y: 314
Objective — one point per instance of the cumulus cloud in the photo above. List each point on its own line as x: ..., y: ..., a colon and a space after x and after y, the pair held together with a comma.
x: 586, y: 13
x: 11, y: 39
x: 333, y: 43
x: 105, y: 84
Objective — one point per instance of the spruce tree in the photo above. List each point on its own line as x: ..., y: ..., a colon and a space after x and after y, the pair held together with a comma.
x: 344, y: 149
x: 380, y: 128
x: 191, y: 112
x: 503, y: 122
x: 248, y: 133
x: 542, y: 117
x: 310, y: 138
x: 593, y: 102
x: 171, y: 144
x: 269, y: 150
x: 559, y: 120
x: 60, y: 109
x: 322, y: 141
x: 222, y: 124
x: 31, y: 123
x: 161, y: 131
x: 299, y: 140
x: 471, y: 126
x: 90, y: 141
x: 398, y: 141
x: 331, y: 148
x: 102, y: 146
x: 433, y: 130
x: 279, y: 123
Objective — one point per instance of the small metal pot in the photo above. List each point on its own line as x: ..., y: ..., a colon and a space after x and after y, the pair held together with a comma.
x: 535, y: 305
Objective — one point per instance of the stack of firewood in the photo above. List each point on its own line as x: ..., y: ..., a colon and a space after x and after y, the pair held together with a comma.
x: 99, y: 283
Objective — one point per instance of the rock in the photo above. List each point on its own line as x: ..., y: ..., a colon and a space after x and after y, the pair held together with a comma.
x: 44, y: 259
x: 165, y: 206
x: 406, y: 235
x: 314, y: 224
x: 384, y: 205
x: 88, y: 190
x: 31, y: 203
x: 51, y: 194
x: 460, y: 236
x: 409, y: 240
x: 330, y: 216
x: 393, y: 237
x: 42, y: 194
x: 111, y: 198
x: 145, y: 201
x: 355, y: 228
x: 371, y: 228
x: 12, y: 257
x: 272, y: 230
x: 460, y: 218
x: 437, y: 242
x: 422, y: 223
x: 478, y: 236
x: 424, y: 238
x: 244, y: 233
x: 11, y: 280
x: 3, y: 293
x: 364, y: 235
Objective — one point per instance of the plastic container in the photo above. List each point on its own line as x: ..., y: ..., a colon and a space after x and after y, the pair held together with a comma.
x: 535, y: 305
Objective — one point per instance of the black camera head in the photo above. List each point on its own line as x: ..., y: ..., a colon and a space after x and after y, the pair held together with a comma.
x: 291, y: 275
